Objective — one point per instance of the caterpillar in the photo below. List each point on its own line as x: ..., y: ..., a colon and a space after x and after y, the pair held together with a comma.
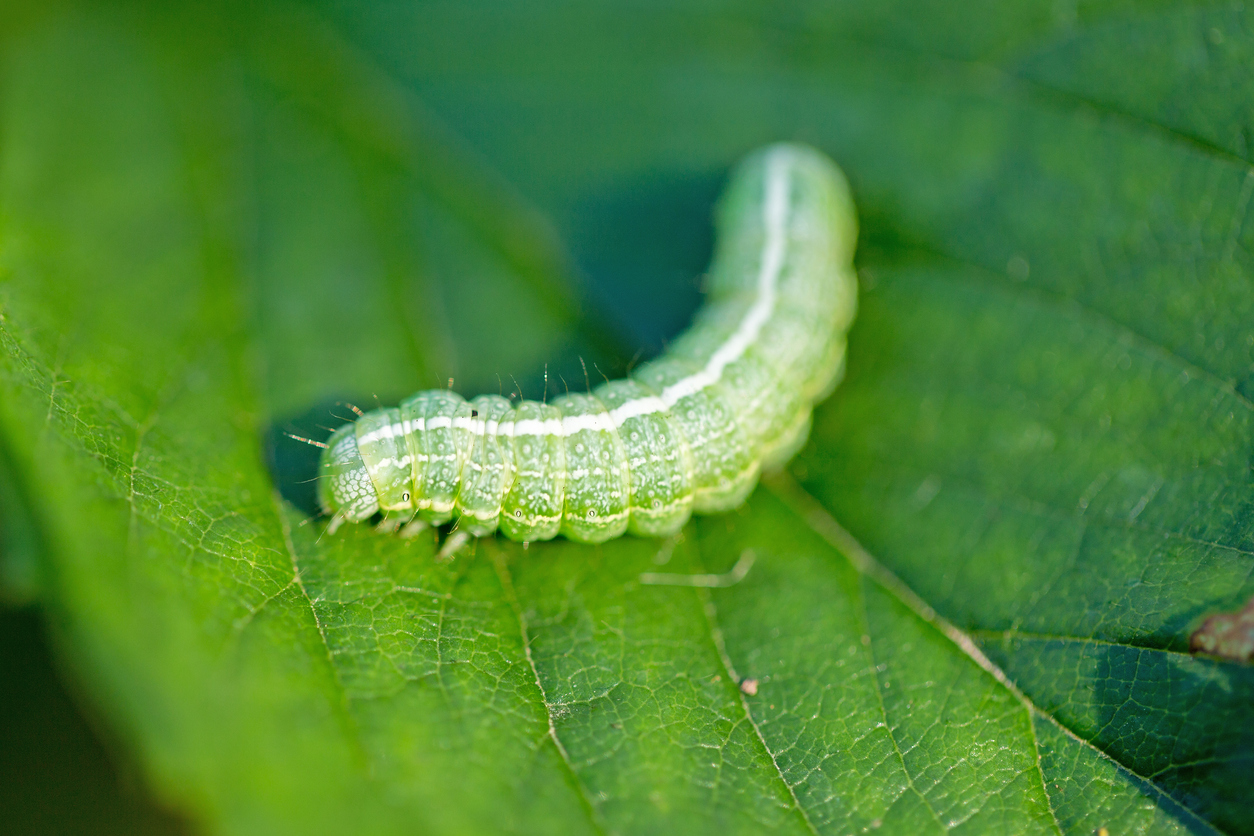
x: 688, y: 432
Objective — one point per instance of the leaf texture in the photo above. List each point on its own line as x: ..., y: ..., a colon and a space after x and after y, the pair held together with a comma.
x: 972, y: 593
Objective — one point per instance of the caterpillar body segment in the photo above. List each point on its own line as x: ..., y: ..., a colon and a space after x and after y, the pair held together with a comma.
x: 688, y: 432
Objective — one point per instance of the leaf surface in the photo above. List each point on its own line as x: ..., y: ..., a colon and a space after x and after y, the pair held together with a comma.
x: 971, y: 594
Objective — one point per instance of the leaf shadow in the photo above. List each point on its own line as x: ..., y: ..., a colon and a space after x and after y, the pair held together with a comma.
x: 1184, y: 723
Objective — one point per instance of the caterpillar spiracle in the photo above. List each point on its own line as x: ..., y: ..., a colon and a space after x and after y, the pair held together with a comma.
x: 686, y: 433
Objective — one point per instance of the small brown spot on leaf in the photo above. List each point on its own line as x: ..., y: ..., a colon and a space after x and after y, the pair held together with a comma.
x: 1227, y: 635
x: 749, y: 687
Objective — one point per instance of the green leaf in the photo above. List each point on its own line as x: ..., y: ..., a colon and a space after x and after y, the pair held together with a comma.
x: 971, y: 596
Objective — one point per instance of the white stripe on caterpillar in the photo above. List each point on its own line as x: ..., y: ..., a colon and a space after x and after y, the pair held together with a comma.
x: 687, y: 432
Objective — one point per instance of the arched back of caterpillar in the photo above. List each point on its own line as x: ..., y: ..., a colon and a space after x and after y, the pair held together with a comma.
x: 688, y: 432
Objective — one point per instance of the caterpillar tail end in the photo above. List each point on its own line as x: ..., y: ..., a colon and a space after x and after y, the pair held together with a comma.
x: 345, y: 490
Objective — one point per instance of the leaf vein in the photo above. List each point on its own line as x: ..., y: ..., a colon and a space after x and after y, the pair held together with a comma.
x: 716, y: 636
x: 879, y: 697
x: 585, y: 794
x: 822, y: 523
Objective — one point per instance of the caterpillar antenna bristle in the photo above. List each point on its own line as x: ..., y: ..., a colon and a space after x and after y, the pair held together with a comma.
x: 353, y: 407
x: 586, y: 381
x: 308, y: 441
x: 634, y: 360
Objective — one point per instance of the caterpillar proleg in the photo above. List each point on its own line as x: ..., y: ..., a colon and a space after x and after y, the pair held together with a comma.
x: 686, y: 433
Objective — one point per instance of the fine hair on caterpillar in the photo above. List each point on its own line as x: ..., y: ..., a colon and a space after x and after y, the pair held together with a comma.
x: 688, y: 432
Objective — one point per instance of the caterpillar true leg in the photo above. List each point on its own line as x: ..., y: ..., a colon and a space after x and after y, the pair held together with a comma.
x: 334, y: 525
x: 390, y: 523
x: 454, y: 543
x: 413, y: 528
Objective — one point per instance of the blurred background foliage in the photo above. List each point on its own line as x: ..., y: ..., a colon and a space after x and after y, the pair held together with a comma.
x: 218, y: 222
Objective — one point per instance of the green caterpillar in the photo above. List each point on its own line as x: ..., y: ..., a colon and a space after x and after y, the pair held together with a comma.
x: 686, y: 433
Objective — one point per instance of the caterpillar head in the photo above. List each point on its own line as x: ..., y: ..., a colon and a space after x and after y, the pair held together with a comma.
x: 345, y: 490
